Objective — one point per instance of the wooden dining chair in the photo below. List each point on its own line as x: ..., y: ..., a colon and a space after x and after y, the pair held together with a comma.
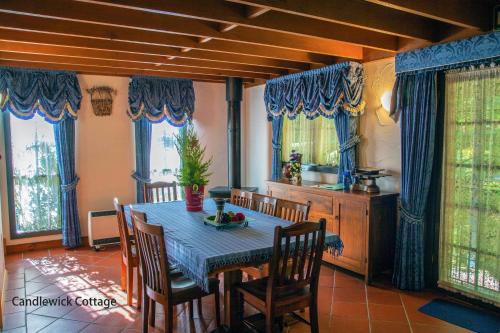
x: 287, y: 210
x: 130, y: 259
x: 160, y: 192
x: 160, y: 286
x: 264, y: 204
x: 241, y: 198
x: 290, y: 289
x: 292, y: 211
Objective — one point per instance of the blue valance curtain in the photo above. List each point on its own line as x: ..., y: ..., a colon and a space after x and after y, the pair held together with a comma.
x: 333, y: 92
x: 53, y: 95
x: 414, y: 100
x: 153, y: 100
x: 159, y: 99
x: 56, y: 96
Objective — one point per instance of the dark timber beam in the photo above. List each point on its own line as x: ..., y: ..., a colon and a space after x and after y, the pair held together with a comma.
x: 112, y: 33
x: 110, y: 71
x: 213, y: 74
x: 230, y: 15
x: 155, y: 23
x: 82, y: 43
x: 156, y: 60
x: 463, y: 13
x: 357, y: 14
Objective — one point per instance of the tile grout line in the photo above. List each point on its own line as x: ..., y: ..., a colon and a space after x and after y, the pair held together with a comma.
x: 406, y: 314
x: 368, y: 310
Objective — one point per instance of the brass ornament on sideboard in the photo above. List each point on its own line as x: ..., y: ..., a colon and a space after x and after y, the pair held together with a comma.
x: 101, y: 98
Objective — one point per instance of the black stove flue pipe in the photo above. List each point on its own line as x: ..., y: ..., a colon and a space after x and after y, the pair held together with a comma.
x: 234, y: 90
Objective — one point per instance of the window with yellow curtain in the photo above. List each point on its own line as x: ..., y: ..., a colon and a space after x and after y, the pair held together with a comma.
x: 470, y: 226
x: 315, y: 139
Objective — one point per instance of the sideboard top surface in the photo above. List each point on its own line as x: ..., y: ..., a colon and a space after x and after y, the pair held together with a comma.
x: 308, y: 186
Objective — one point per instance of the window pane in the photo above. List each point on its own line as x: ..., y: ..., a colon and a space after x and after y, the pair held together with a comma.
x: 165, y: 161
x: 35, y: 176
x: 315, y: 139
x: 470, y: 228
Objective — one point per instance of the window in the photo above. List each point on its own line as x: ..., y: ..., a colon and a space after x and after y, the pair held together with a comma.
x: 165, y: 160
x: 315, y: 139
x: 33, y: 177
x: 470, y: 225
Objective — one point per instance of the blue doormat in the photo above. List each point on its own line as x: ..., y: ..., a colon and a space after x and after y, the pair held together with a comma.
x: 463, y: 316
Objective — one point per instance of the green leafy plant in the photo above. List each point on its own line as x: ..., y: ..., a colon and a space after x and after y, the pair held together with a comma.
x: 194, y: 167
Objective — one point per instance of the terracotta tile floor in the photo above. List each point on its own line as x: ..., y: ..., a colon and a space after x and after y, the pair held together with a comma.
x: 346, y: 304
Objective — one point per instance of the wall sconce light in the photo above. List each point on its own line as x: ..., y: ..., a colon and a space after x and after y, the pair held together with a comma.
x: 385, y: 104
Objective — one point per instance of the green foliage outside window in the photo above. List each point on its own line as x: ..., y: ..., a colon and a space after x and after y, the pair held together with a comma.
x: 36, y: 181
x: 470, y: 228
x: 315, y: 139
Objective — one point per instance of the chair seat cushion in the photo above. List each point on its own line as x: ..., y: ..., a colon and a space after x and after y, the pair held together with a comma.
x: 185, y: 289
x: 255, y: 292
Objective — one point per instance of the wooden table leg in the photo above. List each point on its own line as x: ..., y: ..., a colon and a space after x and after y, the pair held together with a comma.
x: 233, y: 303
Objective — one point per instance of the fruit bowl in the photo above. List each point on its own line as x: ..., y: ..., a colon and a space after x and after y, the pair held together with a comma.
x: 211, y: 220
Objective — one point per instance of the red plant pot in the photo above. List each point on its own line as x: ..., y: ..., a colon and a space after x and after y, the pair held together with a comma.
x: 194, y: 198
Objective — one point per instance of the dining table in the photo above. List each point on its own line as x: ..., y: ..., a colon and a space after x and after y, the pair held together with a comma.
x: 201, y: 251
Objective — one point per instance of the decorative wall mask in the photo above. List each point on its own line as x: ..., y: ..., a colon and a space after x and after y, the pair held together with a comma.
x: 102, y: 100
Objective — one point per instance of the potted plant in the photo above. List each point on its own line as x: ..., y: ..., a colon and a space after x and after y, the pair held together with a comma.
x: 193, y: 173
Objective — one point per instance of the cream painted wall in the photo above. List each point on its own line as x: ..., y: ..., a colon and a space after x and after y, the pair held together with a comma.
x: 380, y: 144
x: 105, y: 150
x: 257, y: 138
x: 380, y: 139
x: 210, y: 121
x: 105, y: 153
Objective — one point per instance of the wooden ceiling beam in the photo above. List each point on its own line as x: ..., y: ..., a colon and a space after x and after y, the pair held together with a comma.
x: 111, y: 71
x: 155, y: 23
x: 230, y: 15
x: 46, y: 49
x: 111, y: 33
x: 465, y: 14
x: 253, y: 12
x: 29, y: 57
x: 357, y: 14
x: 157, y: 50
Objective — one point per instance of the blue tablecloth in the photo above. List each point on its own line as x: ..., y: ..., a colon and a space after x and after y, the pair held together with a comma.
x: 200, y: 249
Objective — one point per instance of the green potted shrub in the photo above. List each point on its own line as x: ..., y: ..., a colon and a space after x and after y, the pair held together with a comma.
x: 193, y: 173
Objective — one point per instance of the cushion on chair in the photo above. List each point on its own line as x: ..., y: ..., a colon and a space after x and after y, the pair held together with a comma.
x: 255, y: 292
x: 185, y: 289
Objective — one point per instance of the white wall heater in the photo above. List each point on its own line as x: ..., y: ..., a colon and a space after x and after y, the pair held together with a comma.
x: 103, y: 228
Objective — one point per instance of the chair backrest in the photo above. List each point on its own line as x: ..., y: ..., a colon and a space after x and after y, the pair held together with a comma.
x: 296, y: 261
x: 241, y: 198
x: 152, y: 254
x: 264, y: 204
x: 160, y: 192
x: 125, y: 243
x: 292, y: 211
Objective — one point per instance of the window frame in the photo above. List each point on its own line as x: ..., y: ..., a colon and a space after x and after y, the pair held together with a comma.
x: 10, y: 188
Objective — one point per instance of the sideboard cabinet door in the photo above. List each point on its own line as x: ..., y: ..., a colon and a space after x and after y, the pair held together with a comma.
x: 351, y: 218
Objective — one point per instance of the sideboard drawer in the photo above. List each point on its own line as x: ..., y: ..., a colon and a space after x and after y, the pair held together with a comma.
x: 320, y: 204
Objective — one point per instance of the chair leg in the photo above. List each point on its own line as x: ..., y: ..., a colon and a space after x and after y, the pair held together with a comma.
x: 145, y: 313
x: 123, y: 276
x: 313, y: 316
x: 169, y: 319
x: 152, y: 312
x: 217, y: 307
x: 139, y: 288
x: 191, y: 309
x: 130, y: 284
x: 200, y: 309
x: 269, y: 323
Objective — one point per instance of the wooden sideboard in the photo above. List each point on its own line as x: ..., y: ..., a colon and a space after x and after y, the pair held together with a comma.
x: 366, y: 223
